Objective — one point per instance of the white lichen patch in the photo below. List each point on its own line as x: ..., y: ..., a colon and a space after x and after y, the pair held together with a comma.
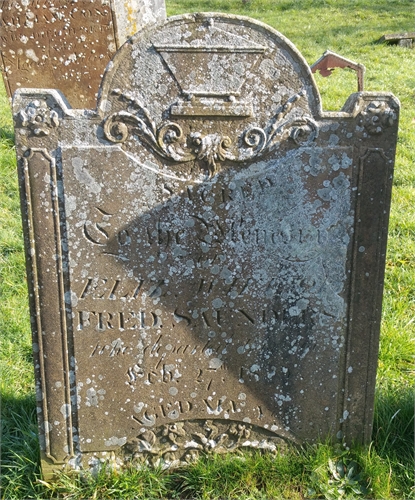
x: 115, y: 441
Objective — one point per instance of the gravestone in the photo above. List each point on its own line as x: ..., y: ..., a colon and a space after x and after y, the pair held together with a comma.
x: 401, y: 39
x: 205, y: 251
x: 67, y: 44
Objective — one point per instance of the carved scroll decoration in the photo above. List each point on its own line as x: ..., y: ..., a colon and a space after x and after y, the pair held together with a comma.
x: 168, y: 140
x: 182, y: 442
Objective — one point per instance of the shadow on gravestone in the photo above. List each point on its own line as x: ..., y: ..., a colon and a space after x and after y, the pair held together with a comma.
x: 205, y: 252
x: 67, y: 45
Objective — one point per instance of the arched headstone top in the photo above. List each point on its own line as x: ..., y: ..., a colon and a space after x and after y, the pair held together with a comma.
x: 221, y: 83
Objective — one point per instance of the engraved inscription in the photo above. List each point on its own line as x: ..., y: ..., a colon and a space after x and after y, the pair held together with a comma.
x: 220, y: 349
x: 297, y: 242
x: 33, y: 55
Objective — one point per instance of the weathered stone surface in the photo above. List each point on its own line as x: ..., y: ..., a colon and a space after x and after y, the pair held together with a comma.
x: 67, y: 44
x: 205, y: 251
x: 402, y: 39
x: 132, y: 15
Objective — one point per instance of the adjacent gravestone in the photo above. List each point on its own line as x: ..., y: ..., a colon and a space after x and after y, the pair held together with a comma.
x: 67, y: 45
x: 206, y: 252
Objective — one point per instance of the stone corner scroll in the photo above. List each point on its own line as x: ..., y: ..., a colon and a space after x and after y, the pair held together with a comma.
x: 205, y: 251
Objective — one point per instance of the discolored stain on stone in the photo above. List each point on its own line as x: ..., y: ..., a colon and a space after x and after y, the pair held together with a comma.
x: 206, y: 250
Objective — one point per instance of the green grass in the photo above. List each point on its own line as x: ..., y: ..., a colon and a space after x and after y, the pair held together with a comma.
x: 382, y: 471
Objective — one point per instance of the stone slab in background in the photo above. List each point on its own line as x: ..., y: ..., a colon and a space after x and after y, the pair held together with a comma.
x: 205, y: 251
x: 67, y: 44
x: 402, y: 39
